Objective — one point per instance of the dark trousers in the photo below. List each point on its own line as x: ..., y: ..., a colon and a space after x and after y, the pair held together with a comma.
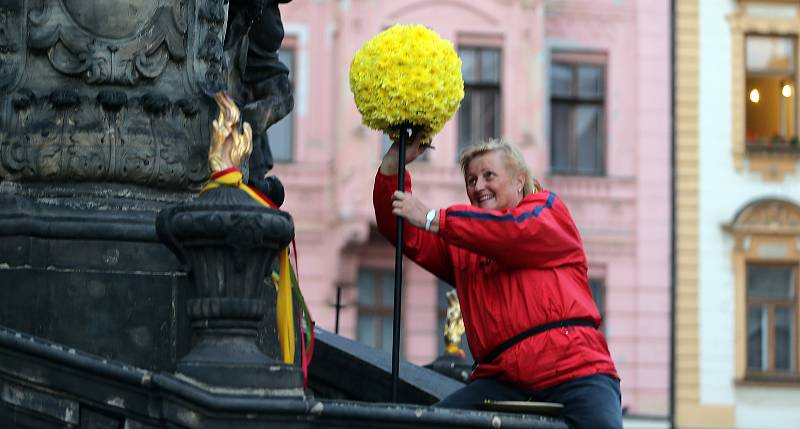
x: 592, y: 402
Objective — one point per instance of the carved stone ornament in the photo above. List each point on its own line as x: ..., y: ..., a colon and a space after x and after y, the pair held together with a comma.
x: 93, y: 39
x: 108, y: 90
x: 768, y: 216
x: 11, y: 43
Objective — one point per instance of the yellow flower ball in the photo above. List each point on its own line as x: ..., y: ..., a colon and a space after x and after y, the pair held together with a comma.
x: 406, y: 75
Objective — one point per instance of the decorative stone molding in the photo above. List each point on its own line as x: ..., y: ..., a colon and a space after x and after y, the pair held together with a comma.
x: 108, y: 91
x: 67, y: 136
x: 767, y: 217
x: 109, y: 51
x: 12, y: 28
x: 774, y: 166
x: 210, y: 51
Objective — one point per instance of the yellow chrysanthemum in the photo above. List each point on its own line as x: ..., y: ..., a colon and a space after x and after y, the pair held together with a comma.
x: 406, y: 75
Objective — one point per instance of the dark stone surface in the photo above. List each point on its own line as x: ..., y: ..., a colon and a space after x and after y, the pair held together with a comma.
x: 346, y: 369
x: 453, y: 366
x: 111, y: 91
x: 94, y: 280
x: 126, y: 317
x: 44, y: 385
x: 228, y: 242
x: 97, y: 91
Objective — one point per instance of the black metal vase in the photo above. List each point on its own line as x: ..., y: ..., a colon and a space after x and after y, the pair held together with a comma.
x: 227, y: 241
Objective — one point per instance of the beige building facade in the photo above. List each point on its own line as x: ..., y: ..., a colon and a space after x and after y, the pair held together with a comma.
x: 737, y: 228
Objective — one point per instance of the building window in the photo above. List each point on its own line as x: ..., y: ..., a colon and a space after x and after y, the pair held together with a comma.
x: 281, y: 134
x: 766, y: 263
x: 375, y: 309
x: 771, y: 74
x: 598, y: 288
x: 764, y: 108
x: 479, y: 116
x: 577, y: 116
x: 441, y: 307
x: 771, y: 319
x: 386, y: 143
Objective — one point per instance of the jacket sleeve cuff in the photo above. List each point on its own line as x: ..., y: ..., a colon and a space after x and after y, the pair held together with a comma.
x: 442, y: 220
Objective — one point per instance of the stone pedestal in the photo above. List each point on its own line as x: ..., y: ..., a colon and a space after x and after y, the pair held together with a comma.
x: 228, y: 242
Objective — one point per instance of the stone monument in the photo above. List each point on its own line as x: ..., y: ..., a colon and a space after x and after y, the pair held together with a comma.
x: 105, y: 115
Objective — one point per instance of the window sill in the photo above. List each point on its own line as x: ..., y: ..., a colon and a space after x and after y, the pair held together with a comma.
x: 768, y: 381
x: 772, y: 161
x: 781, y: 149
x: 568, y: 174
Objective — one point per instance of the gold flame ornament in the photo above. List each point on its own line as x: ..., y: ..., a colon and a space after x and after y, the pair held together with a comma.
x: 229, y: 148
x: 453, y: 326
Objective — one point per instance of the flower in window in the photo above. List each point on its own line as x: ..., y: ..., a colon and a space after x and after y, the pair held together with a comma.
x: 406, y: 75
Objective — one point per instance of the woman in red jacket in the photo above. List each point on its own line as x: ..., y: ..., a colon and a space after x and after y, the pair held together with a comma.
x: 517, y: 262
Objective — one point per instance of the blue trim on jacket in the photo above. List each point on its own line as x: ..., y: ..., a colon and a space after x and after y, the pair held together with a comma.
x: 508, y: 216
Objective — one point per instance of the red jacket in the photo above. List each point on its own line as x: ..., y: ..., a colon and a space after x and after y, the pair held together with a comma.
x: 513, y: 270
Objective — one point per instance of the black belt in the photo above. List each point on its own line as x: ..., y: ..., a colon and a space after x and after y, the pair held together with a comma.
x: 505, y: 345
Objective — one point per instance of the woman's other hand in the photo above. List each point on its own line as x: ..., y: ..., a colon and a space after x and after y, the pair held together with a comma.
x: 413, y: 210
x: 415, y: 147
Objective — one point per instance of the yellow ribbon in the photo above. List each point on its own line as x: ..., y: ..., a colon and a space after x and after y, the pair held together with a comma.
x: 285, y: 312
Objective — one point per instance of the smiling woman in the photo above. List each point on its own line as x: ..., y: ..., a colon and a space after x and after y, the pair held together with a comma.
x: 517, y: 262
x: 496, y: 175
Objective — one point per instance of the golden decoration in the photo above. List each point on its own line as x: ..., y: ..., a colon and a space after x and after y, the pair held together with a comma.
x: 229, y: 148
x: 453, y: 325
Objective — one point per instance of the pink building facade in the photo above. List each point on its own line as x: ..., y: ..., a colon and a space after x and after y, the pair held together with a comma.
x: 582, y: 86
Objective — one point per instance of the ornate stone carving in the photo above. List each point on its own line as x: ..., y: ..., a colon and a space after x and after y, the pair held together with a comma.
x: 145, y: 140
x: 11, y: 43
x: 210, y: 66
x: 120, y: 48
x: 768, y: 216
x: 111, y: 91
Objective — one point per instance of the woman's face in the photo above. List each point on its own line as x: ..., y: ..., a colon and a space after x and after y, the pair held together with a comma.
x: 490, y: 185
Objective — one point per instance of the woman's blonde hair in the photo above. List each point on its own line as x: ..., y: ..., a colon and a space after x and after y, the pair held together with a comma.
x: 513, y: 160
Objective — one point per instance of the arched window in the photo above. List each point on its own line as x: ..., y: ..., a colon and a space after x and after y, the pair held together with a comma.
x: 766, y: 263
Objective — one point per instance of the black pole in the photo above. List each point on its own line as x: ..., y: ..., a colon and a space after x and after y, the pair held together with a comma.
x: 673, y: 259
x: 338, y: 308
x: 398, y: 267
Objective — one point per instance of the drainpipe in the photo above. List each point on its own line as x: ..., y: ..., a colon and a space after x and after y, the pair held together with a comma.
x: 673, y: 229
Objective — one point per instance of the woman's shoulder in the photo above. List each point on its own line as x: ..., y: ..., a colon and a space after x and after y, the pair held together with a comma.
x: 544, y: 200
x: 545, y: 196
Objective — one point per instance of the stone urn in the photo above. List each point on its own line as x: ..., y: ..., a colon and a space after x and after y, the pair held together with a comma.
x: 228, y: 242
